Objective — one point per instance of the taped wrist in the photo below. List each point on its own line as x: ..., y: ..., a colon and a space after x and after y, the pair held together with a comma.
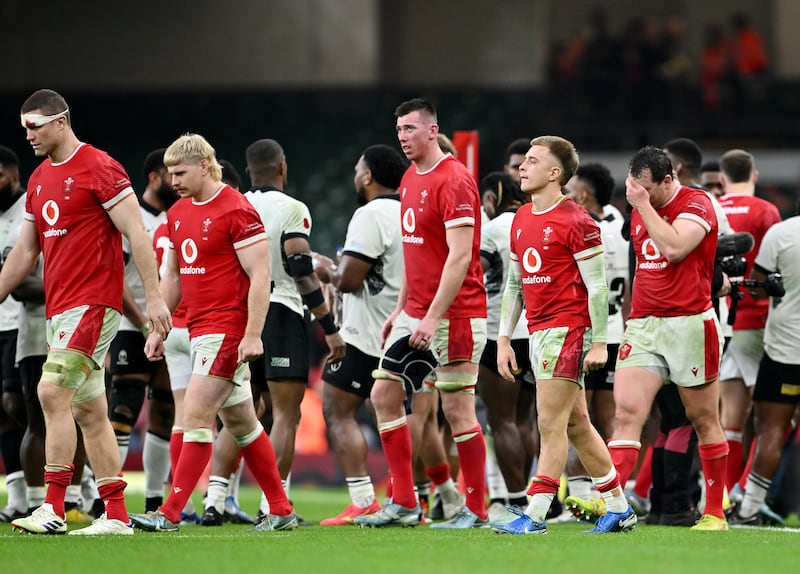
x: 314, y: 299
x: 327, y: 324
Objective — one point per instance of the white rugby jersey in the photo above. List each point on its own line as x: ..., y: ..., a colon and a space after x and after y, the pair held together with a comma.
x: 780, y: 251
x: 10, y: 222
x: 152, y: 219
x: 615, y: 248
x: 495, y: 238
x: 283, y: 217
x: 373, y: 235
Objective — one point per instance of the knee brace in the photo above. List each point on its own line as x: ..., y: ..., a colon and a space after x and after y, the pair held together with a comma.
x: 68, y: 370
x: 449, y: 382
x: 127, y: 397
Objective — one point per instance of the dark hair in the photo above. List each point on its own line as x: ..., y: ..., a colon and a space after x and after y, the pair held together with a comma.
x: 709, y: 166
x: 416, y: 105
x: 737, y: 165
x: 263, y: 157
x: 230, y: 175
x: 8, y: 158
x: 519, y: 146
x: 386, y: 164
x: 49, y: 102
x: 565, y: 153
x: 653, y: 159
x: 154, y: 161
x: 505, y: 189
x: 687, y: 151
x: 599, y: 178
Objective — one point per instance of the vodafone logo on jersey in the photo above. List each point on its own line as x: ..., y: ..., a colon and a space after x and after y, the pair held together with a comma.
x: 532, y: 263
x: 651, y: 254
x: 409, y: 220
x: 189, y: 254
x: 650, y: 251
x: 531, y: 260
x: 189, y: 250
x: 51, y: 213
x: 409, y: 226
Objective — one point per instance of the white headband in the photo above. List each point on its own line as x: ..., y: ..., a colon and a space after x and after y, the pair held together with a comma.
x: 38, y: 120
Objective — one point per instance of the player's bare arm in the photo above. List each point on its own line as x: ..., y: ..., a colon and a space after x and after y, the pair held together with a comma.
x: 21, y: 260
x: 593, y: 273
x: 388, y: 324
x: 254, y: 259
x: 510, y: 310
x: 347, y: 277
x: 459, y: 243
x: 170, y: 287
x: 127, y: 217
x: 132, y: 311
x: 298, y: 253
x: 676, y: 240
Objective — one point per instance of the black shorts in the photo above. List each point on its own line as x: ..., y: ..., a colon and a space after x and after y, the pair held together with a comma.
x: 30, y: 373
x: 603, y: 379
x: 412, y: 365
x: 285, y: 339
x: 126, y: 354
x: 8, y: 355
x: 520, y: 346
x: 353, y: 374
x: 777, y: 382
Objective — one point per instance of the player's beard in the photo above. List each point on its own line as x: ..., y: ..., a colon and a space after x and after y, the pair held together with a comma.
x: 167, y: 194
x: 6, y: 196
x: 361, y: 196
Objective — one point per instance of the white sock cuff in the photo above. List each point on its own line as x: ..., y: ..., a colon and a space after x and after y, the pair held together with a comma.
x: 733, y: 435
x: 391, y: 425
x: 625, y: 444
x: 250, y: 437
x: 601, y: 480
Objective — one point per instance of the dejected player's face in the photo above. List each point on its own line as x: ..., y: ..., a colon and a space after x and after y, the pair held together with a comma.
x: 711, y: 181
x: 187, y: 178
x: 415, y: 132
x: 538, y: 170
x: 361, y: 171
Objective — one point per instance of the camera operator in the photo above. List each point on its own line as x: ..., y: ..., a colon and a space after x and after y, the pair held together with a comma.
x: 777, y: 388
x: 739, y: 368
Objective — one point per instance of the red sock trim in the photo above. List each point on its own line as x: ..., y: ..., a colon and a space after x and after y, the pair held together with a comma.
x: 438, y: 474
x: 713, y: 451
x: 543, y: 485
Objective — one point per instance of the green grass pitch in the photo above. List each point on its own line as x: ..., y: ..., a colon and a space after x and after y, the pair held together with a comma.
x: 350, y: 550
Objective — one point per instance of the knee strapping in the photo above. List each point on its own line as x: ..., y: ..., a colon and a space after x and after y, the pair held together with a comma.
x: 68, y: 370
x: 450, y: 382
x: 127, y: 398
x: 250, y: 437
x: 197, y: 435
x: 381, y: 374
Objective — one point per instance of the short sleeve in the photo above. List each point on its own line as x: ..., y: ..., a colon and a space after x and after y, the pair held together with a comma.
x: 585, y: 239
x: 698, y: 208
x: 110, y: 181
x: 364, y: 236
x: 298, y: 220
x: 246, y: 227
x: 458, y: 201
x: 767, y: 257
